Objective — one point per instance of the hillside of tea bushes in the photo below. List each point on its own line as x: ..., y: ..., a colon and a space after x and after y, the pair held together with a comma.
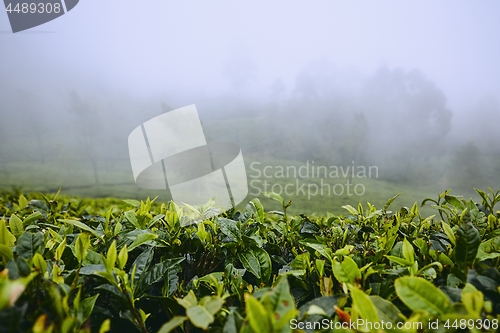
x: 106, y: 265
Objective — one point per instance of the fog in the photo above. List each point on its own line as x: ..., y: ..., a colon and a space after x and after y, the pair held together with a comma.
x: 411, y: 87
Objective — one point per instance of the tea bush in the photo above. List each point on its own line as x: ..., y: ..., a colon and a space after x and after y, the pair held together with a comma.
x: 97, y: 265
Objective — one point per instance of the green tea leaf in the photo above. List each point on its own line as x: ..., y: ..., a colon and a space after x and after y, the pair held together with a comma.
x: 39, y: 263
x: 386, y: 310
x: 141, y: 263
x: 408, y: 252
x: 134, y: 203
x: 12, y: 290
x: 23, y: 202
x: 347, y: 271
x: 171, y: 278
x: 491, y: 245
x: 280, y: 303
x: 6, y: 238
x: 257, y: 262
x: 105, y: 326
x: 117, y: 229
x: 351, y: 209
x: 364, y: 305
x: 6, y: 252
x: 60, y: 249
x: 172, y: 324
x: 16, y: 225
x: 233, y: 323
x: 82, y: 245
x: 92, y: 269
x: 454, y: 201
x: 473, y: 300
x: 449, y: 232
x: 468, y: 241
x: 309, y: 228
x: 321, y: 248
x: 161, y: 270
x: 111, y: 256
x: 132, y: 218
x: 87, y: 305
x: 213, y: 304
x: 81, y: 225
x: 274, y: 196
x: 257, y: 315
x: 141, y: 239
x: 259, y: 209
x: 230, y: 229
x: 188, y: 301
x: 123, y: 257
x: 32, y: 218
x: 29, y: 244
x: 398, y: 260
x: 199, y: 316
x: 388, y: 203
x: 421, y: 295
x: 113, y: 290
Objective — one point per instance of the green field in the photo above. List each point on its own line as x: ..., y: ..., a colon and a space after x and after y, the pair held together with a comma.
x: 115, y: 180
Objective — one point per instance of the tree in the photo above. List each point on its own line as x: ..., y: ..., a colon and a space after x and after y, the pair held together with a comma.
x: 409, y: 117
x: 408, y: 104
x: 353, y: 145
x: 480, y: 124
x: 315, y: 116
x: 467, y: 169
x: 30, y: 110
x: 87, y: 128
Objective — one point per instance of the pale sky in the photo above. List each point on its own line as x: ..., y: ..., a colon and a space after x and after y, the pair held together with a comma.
x: 198, y: 47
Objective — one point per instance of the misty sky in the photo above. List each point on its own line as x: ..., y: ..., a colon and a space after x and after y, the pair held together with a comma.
x: 209, y: 48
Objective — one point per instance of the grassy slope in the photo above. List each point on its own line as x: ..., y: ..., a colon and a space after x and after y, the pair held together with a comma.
x: 66, y: 167
x: 117, y: 181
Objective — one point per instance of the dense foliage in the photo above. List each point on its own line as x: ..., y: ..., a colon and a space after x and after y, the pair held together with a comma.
x: 82, y: 265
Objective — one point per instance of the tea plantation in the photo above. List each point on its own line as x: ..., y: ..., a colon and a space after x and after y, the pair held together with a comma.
x: 106, y: 265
